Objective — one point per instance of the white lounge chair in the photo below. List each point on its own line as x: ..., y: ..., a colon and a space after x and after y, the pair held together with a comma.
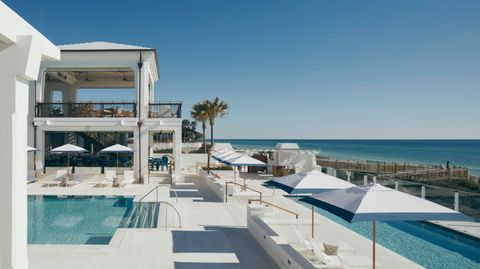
x: 128, y: 177
x: 76, y: 179
x: 327, y: 261
x: 301, y: 244
x: 59, y: 176
x: 109, y: 175
x: 31, y: 175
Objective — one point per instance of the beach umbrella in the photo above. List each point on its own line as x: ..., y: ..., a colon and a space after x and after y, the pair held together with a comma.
x: 374, y: 202
x: 311, y: 182
x: 32, y: 149
x: 68, y: 148
x: 221, y: 156
x: 243, y: 160
x: 117, y: 148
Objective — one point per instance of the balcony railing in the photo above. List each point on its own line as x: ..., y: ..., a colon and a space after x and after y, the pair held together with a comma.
x: 86, y: 110
x: 165, y: 110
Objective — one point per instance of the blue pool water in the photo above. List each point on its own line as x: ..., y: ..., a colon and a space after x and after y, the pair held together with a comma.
x: 465, y: 153
x: 426, y: 244
x: 75, y: 220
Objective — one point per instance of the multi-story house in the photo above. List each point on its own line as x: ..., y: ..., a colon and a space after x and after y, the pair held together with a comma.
x: 97, y: 95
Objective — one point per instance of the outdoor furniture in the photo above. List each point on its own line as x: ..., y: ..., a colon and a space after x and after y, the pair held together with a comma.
x: 58, y: 178
x: 330, y: 248
x: 31, y: 176
x: 128, y: 177
x: 328, y: 261
x: 164, y: 162
x: 109, y: 176
x: 116, y: 182
x: 74, y: 180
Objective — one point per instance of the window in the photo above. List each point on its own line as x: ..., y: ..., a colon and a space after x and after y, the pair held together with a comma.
x: 57, y: 96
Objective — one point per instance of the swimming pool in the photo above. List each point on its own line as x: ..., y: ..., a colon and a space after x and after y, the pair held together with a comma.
x: 76, y: 220
x: 426, y: 244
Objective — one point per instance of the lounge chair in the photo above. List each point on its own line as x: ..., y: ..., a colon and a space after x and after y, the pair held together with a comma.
x: 76, y: 179
x: 60, y: 175
x: 327, y: 261
x: 109, y: 175
x: 128, y: 177
x: 301, y: 244
x: 31, y: 176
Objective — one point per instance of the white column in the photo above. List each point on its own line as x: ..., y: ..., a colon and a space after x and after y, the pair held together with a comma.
x: 423, y: 192
x: 21, y: 51
x: 365, y: 180
x: 140, y: 155
x: 349, y: 176
x: 13, y: 164
x: 40, y: 156
x: 177, y: 154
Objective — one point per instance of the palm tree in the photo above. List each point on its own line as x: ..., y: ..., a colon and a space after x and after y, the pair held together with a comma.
x: 199, y: 114
x: 215, y: 109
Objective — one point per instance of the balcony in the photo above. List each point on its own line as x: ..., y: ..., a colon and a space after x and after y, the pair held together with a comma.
x: 86, y: 110
x: 165, y: 110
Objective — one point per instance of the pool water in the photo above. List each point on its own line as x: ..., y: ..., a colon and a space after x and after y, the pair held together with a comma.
x: 75, y: 220
x: 424, y: 243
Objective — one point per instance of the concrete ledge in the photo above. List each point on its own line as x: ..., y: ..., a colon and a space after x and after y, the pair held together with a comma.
x: 284, y: 255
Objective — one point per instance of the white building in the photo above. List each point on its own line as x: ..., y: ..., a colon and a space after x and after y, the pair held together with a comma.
x: 64, y: 108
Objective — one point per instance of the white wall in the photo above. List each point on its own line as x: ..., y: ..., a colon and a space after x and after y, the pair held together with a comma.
x: 21, y: 50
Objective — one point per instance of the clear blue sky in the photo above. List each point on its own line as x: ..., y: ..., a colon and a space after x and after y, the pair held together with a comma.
x: 299, y: 69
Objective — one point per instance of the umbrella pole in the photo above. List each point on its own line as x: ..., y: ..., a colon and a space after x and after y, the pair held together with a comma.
x: 117, y: 163
x: 68, y: 163
x: 373, y: 241
x: 313, y: 222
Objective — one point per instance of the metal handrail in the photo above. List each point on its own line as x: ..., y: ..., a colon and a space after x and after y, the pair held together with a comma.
x: 243, y: 186
x: 156, y: 188
x: 166, y: 214
x: 274, y: 205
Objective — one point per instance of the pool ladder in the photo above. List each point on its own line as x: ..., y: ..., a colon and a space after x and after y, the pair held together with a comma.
x: 146, y: 214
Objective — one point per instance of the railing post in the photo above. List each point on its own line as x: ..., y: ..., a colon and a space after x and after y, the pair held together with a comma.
x: 396, y: 185
x: 365, y: 180
x: 423, y: 192
x: 456, y: 202
x: 226, y: 192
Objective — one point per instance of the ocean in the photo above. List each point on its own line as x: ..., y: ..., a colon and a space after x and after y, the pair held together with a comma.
x: 464, y: 153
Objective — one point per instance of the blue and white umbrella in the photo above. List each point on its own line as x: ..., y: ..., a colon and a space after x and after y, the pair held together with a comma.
x: 375, y: 202
x: 309, y: 183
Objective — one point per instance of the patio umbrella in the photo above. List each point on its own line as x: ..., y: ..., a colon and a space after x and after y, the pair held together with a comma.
x: 117, y: 148
x: 375, y: 202
x: 309, y: 183
x: 32, y: 149
x: 243, y: 160
x: 68, y: 148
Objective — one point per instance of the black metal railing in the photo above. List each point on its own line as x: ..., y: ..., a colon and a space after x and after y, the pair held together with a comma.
x: 165, y: 110
x: 86, y: 110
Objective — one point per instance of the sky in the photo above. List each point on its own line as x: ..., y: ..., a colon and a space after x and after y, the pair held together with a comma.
x: 298, y: 69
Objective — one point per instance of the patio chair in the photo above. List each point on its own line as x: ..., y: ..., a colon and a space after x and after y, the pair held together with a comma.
x: 58, y: 178
x: 109, y: 175
x: 128, y: 177
x: 31, y: 176
x: 76, y: 179
x: 327, y: 261
x: 301, y: 244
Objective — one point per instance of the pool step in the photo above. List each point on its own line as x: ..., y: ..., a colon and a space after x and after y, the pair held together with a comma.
x: 142, y: 215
